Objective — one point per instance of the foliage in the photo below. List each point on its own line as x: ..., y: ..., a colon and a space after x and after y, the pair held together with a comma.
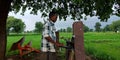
x: 97, y: 27
x: 106, y: 28
x: 15, y: 25
x: 115, y: 26
x: 62, y: 30
x: 91, y: 30
x: 65, y: 8
x: 9, y: 23
x: 69, y: 29
x: 86, y: 29
x: 38, y: 27
x: 18, y: 26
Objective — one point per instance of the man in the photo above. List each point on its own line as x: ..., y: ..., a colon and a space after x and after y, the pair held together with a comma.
x: 49, y: 38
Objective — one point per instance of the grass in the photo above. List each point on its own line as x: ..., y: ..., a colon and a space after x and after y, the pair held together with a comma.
x: 102, y: 45
x: 35, y: 38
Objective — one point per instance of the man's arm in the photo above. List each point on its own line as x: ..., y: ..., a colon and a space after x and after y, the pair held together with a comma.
x: 49, y: 39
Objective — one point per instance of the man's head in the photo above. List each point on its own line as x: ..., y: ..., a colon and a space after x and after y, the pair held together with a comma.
x: 53, y: 16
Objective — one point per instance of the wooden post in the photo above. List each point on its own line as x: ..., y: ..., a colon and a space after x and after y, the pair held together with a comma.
x: 57, y: 48
x: 57, y: 40
x: 78, y: 40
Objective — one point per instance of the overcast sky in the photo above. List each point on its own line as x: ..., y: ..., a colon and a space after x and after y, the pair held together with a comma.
x: 30, y: 21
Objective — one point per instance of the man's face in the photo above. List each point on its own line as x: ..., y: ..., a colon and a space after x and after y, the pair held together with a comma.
x: 54, y: 18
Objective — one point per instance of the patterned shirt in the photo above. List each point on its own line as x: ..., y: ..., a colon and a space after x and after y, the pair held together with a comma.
x: 49, y: 30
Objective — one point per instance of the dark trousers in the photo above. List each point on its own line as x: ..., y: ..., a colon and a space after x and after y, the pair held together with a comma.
x: 48, y: 56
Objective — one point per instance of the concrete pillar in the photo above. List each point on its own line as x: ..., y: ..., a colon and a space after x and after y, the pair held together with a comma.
x: 78, y: 40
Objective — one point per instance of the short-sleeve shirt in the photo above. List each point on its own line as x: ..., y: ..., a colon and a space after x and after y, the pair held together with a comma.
x: 49, y: 30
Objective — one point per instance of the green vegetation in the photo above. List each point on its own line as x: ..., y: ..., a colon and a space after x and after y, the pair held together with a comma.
x: 65, y: 8
x: 15, y: 25
x: 35, y: 38
x: 97, y: 26
x: 115, y: 26
x: 101, y: 46
x: 38, y: 27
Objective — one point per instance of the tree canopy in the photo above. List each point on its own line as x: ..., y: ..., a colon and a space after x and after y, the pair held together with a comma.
x: 106, y: 28
x: 86, y: 28
x: 15, y: 25
x: 97, y: 26
x: 115, y: 26
x: 38, y: 27
x: 69, y: 29
x: 103, y: 9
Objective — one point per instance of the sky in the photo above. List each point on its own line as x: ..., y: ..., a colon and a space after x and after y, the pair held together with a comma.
x: 30, y: 20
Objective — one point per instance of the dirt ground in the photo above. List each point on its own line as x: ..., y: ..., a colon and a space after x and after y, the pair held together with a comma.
x: 34, y: 56
x: 30, y: 56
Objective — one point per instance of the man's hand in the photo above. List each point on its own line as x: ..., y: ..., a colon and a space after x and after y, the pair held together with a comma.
x: 59, y: 44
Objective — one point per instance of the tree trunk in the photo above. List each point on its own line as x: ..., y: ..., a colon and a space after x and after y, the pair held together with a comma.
x: 4, y: 10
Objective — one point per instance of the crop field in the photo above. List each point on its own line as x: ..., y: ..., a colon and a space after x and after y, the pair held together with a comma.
x: 103, y: 46
x: 99, y: 45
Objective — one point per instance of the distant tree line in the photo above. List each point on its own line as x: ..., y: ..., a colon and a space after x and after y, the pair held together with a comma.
x: 114, y: 26
x: 15, y: 25
x: 69, y: 29
x: 38, y: 27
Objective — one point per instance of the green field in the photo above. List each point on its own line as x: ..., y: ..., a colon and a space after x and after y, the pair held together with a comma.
x: 101, y: 46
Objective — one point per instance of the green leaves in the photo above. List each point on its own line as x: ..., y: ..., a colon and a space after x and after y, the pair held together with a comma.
x: 16, y: 24
x: 115, y: 26
x: 38, y: 27
x: 74, y: 8
x: 97, y: 27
